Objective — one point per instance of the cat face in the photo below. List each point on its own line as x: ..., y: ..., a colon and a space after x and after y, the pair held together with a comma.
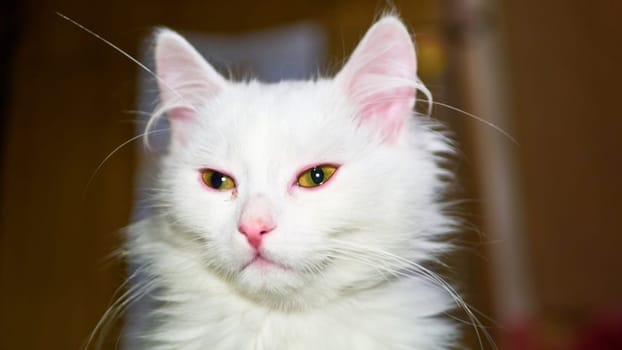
x: 263, y: 147
x: 271, y: 180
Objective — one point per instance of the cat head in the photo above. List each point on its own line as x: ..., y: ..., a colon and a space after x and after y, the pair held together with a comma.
x: 300, y: 189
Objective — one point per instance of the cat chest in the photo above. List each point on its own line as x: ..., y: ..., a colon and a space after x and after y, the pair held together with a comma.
x: 274, y: 331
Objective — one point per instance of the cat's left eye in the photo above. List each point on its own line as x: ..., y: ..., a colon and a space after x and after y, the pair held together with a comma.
x: 217, y: 180
x: 316, y: 176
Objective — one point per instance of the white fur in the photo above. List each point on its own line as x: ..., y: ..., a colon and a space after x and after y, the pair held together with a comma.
x: 353, y: 249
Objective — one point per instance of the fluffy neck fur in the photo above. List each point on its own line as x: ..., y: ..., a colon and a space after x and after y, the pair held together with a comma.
x: 345, y: 260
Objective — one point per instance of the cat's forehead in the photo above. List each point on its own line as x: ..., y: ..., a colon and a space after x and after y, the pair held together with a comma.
x: 258, y: 103
x: 281, y: 119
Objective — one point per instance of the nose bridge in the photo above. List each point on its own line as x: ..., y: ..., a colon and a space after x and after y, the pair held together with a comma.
x: 257, y: 209
x: 259, y: 195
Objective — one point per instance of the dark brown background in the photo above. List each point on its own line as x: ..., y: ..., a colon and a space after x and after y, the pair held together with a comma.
x: 64, y: 94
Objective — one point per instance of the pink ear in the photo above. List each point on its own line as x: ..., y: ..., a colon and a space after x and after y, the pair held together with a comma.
x: 186, y: 80
x: 380, y: 77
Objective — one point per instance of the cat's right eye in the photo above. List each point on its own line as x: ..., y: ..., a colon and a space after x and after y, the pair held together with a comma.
x: 217, y: 180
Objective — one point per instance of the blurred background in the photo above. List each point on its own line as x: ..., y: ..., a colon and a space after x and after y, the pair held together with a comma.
x: 542, y: 262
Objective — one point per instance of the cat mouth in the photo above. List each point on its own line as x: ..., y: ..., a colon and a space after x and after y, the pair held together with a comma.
x: 263, y: 263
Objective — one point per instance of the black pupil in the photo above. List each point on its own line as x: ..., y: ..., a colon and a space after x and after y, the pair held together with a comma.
x: 216, y: 179
x: 317, y: 175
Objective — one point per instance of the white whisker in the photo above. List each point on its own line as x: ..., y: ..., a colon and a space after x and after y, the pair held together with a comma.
x: 428, y: 275
x: 124, y: 53
x: 479, y: 119
x: 114, y: 151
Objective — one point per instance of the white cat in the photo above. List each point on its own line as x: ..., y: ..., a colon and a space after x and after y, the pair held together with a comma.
x: 297, y: 215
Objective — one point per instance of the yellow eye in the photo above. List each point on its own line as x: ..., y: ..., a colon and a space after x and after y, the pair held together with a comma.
x: 316, y: 176
x: 216, y: 180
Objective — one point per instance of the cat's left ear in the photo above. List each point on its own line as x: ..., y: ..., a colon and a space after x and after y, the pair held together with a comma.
x: 380, y: 78
x: 185, y: 79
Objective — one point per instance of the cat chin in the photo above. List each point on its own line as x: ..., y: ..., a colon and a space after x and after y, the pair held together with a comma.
x: 261, y: 277
x: 270, y: 278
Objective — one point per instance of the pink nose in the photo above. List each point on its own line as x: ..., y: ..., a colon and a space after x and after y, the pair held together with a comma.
x: 255, y: 231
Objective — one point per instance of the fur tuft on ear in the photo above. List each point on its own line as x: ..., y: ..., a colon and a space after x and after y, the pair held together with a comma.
x: 185, y: 79
x: 380, y: 77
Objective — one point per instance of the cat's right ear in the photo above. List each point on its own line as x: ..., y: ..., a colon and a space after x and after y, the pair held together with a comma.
x: 185, y: 79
